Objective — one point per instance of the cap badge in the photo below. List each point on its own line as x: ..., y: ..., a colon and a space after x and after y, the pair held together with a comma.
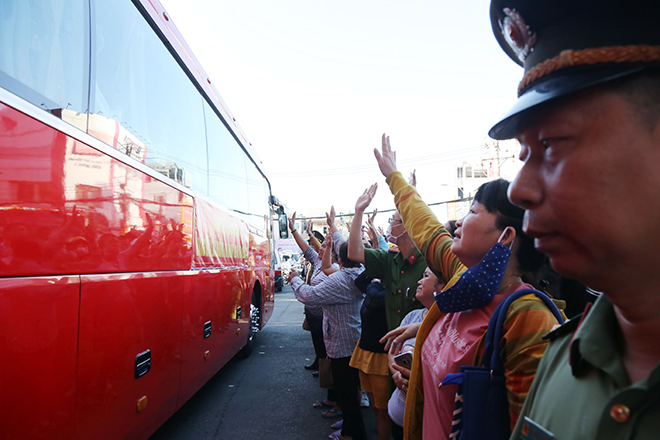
x: 517, y: 33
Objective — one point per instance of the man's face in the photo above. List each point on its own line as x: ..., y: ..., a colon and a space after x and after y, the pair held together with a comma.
x: 591, y: 188
x: 395, y: 228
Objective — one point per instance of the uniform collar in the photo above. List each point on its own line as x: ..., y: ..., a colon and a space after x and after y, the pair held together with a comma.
x: 596, y: 341
x: 411, y: 258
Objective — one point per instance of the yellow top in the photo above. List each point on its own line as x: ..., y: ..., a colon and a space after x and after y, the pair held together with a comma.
x: 369, y: 362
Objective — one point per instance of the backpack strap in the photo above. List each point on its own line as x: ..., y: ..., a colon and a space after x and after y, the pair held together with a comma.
x: 496, y: 326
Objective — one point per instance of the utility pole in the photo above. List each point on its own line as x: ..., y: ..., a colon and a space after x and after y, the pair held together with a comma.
x: 497, y: 152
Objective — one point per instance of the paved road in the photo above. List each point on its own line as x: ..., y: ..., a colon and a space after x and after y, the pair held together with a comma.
x: 268, y: 396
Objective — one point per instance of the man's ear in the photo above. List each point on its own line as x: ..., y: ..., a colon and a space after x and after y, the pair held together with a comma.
x: 508, y: 236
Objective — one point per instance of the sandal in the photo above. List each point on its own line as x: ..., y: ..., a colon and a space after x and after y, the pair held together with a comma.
x: 331, y: 413
x: 324, y: 404
x: 335, y: 435
x: 338, y: 424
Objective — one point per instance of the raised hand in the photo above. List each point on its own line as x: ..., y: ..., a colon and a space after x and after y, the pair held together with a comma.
x: 365, y: 199
x: 371, y: 218
x: 386, y: 158
x: 412, y: 180
x: 330, y: 218
x: 373, y: 235
x: 292, y: 221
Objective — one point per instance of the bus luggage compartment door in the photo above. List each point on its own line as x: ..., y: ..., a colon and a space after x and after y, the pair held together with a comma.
x: 126, y: 322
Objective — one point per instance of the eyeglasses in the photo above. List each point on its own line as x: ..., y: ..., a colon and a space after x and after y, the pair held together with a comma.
x: 393, y: 220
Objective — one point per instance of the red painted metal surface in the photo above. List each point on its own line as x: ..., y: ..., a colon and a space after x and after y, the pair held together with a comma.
x: 122, y: 315
x: 69, y: 342
x: 214, y: 296
x: 38, y: 342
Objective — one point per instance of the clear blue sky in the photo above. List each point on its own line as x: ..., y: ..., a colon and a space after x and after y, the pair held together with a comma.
x: 315, y: 84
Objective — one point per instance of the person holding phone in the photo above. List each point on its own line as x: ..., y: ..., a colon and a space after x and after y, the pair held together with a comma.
x: 401, y: 364
x: 490, y: 234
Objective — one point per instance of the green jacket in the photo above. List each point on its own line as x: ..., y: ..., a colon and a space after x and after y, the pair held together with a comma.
x: 589, y: 396
x: 400, y: 276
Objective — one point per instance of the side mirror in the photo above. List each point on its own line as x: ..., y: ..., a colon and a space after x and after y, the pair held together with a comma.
x: 284, y: 226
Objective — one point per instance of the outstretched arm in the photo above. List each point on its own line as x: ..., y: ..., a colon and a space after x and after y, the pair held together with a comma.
x: 326, y: 263
x: 429, y: 235
x: 355, y: 246
x: 302, y: 244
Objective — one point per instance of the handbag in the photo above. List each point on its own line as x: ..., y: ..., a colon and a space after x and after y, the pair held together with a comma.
x: 325, y: 374
x: 482, y: 405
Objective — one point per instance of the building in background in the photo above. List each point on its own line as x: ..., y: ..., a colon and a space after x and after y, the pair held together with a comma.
x: 498, y: 160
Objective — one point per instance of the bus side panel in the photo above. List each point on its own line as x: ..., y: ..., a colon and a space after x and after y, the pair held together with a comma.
x: 260, y: 261
x: 212, y: 297
x: 269, y: 298
x: 38, y: 342
x: 264, y: 275
x: 121, y: 317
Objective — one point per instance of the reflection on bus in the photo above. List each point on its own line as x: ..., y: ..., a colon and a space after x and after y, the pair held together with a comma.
x: 136, y: 223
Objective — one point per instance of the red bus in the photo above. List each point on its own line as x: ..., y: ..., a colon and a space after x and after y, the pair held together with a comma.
x: 135, y: 222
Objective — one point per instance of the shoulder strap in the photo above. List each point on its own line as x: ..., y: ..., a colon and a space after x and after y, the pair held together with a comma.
x: 496, y: 326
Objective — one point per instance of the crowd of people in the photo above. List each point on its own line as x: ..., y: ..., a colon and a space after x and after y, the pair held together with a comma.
x: 582, y: 212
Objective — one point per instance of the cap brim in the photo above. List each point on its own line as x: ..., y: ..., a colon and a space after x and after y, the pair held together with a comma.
x: 556, y: 86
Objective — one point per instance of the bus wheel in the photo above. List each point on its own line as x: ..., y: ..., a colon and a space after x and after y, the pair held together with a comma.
x: 255, y: 324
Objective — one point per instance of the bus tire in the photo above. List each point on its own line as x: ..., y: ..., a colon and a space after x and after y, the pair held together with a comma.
x: 255, y: 324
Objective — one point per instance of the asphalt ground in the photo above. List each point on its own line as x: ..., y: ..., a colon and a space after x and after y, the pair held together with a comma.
x: 267, y: 396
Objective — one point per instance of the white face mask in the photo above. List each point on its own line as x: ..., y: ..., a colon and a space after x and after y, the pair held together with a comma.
x: 393, y: 238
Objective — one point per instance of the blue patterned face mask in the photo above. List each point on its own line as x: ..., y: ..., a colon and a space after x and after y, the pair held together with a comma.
x: 478, y: 285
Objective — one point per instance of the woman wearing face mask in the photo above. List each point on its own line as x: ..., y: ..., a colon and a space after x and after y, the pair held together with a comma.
x: 490, y: 241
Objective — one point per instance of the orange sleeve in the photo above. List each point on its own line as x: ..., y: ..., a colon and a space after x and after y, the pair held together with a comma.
x: 425, y: 229
x: 522, y: 347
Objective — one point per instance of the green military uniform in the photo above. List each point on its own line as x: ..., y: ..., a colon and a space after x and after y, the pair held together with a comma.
x: 400, y: 276
x: 581, y: 390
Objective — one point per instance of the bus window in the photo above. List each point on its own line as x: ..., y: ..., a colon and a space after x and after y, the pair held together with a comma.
x: 257, y: 198
x: 137, y: 84
x: 227, y: 165
x: 44, y: 55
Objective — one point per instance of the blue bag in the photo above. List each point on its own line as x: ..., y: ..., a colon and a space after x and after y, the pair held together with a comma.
x: 482, y: 405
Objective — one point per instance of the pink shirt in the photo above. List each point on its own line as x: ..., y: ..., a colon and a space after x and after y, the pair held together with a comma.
x: 451, y: 343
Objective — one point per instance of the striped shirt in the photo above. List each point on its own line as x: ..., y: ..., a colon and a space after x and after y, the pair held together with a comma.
x: 316, y: 278
x: 341, y: 302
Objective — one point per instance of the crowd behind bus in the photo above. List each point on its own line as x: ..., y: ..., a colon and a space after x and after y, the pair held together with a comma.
x: 346, y: 307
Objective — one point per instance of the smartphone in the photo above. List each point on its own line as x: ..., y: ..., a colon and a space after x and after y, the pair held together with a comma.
x: 404, y: 360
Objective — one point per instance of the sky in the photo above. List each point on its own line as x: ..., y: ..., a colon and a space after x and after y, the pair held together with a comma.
x: 315, y: 84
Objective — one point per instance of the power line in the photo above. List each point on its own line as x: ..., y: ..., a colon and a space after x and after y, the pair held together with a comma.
x: 426, y: 160
x: 464, y: 199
